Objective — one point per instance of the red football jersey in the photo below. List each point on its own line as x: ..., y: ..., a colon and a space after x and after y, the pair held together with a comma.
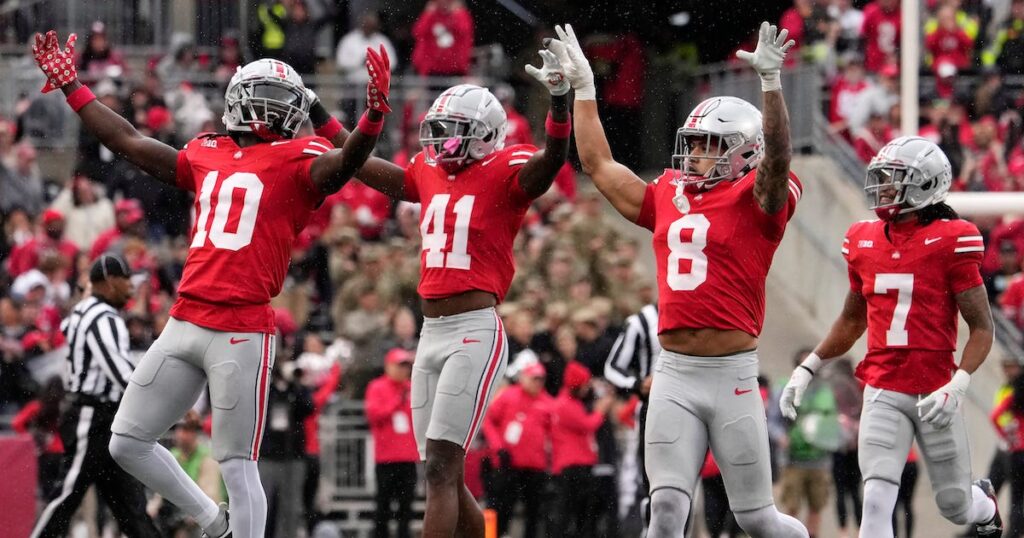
x: 909, y: 279
x: 468, y: 222
x: 713, y: 259
x: 250, y: 204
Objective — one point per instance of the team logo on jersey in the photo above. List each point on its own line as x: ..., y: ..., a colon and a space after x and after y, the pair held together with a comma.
x: 210, y: 143
x: 865, y: 243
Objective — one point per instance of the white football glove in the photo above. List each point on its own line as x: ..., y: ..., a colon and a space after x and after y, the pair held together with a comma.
x: 768, y: 56
x: 793, y: 392
x: 576, y: 67
x: 551, y: 74
x: 941, y: 406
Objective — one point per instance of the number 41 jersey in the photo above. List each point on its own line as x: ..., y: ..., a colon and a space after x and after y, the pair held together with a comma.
x: 250, y: 205
x: 713, y: 258
x: 909, y: 278
x: 468, y: 222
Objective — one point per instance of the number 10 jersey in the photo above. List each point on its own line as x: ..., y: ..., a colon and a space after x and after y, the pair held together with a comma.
x: 468, y: 222
x: 909, y: 276
x: 713, y: 258
x: 250, y: 205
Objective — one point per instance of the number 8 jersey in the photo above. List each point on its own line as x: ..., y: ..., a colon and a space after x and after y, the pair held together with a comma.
x: 250, y: 205
x: 468, y: 222
x: 909, y: 278
x: 713, y: 259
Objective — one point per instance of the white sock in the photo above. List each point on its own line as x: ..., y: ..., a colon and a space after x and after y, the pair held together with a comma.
x: 248, y: 501
x: 982, y: 507
x: 155, y: 466
x: 879, y: 502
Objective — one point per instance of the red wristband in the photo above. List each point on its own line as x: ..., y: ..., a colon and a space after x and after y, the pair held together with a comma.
x: 330, y: 129
x: 558, y: 130
x: 80, y: 97
x: 370, y: 127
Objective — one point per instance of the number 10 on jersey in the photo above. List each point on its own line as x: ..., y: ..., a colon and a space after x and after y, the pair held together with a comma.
x: 435, y: 238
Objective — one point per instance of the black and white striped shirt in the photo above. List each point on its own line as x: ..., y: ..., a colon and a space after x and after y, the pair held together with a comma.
x: 635, y: 351
x: 98, y: 360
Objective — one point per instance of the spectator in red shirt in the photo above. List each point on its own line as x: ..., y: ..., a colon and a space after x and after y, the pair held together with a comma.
x: 28, y: 255
x: 949, y: 50
x: 848, y: 91
x: 129, y: 218
x: 574, y: 451
x: 443, y: 39
x: 1013, y: 433
x: 518, y: 430
x: 394, y: 446
x: 881, y: 33
x: 41, y: 418
x: 621, y: 69
x: 877, y: 133
x: 323, y: 388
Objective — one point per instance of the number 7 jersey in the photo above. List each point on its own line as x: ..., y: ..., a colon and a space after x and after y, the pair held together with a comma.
x: 909, y: 278
x: 468, y: 222
x: 713, y: 259
x: 250, y: 205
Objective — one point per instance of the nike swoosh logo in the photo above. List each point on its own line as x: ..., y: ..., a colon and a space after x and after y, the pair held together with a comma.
x: 470, y: 341
x: 238, y: 340
x: 739, y: 392
x: 932, y: 240
x: 488, y: 161
x: 279, y: 142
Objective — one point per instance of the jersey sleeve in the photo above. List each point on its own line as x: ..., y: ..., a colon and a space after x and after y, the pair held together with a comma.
x: 305, y: 151
x: 647, y: 208
x: 183, y: 171
x: 775, y: 223
x: 856, y: 283
x: 964, y: 268
x: 515, y: 159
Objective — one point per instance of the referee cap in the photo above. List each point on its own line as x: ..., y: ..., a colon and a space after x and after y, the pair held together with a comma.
x: 108, y: 265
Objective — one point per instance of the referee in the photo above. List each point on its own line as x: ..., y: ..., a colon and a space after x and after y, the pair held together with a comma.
x: 98, y: 372
x: 629, y: 368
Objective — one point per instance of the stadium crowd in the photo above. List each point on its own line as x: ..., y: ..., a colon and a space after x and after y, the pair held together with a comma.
x: 348, y: 316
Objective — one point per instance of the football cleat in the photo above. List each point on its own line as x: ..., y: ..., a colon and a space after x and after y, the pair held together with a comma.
x: 993, y: 527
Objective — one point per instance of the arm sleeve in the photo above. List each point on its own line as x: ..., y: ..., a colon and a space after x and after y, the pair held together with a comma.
x: 646, y: 217
x: 25, y: 417
x: 965, y: 263
x: 411, y: 192
x: 108, y: 341
x: 621, y: 363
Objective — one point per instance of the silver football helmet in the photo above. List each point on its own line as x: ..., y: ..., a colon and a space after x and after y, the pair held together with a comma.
x: 915, y: 168
x: 266, y: 98
x: 731, y: 125
x: 465, y: 123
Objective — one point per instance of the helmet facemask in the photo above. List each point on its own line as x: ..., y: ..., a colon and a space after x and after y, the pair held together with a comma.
x: 269, y: 107
x: 453, y: 143
x: 910, y: 190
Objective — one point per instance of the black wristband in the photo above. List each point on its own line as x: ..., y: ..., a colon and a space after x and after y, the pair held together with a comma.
x: 808, y: 369
x: 318, y: 115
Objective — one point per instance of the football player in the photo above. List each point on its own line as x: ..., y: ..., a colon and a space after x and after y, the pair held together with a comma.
x: 717, y: 219
x: 256, y: 188
x: 474, y: 193
x: 910, y: 273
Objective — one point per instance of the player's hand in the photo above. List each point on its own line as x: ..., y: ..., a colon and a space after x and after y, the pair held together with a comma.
x: 378, y: 65
x: 768, y: 56
x: 576, y: 67
x: 793, y: 392
x: 57, y: 64
x: 551, y: 74
x: 941, y: 406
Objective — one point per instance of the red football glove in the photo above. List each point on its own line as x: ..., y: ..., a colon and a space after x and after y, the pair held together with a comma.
x: 379, y: 67
x: 58, y: 65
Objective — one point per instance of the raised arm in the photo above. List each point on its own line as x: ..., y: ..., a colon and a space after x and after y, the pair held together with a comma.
x: 624, y: 189
x: 333, y: 169
x: 539, y: 172
x: 771, y: 187
x: 116, y: 133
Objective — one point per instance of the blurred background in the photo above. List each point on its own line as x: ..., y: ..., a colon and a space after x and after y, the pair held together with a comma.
x: 349, y: 308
